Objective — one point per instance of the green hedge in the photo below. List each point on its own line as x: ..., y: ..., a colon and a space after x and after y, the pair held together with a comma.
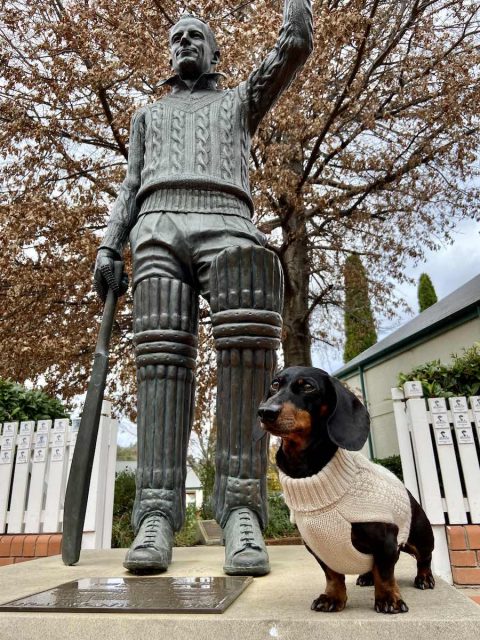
x: 459, y: 378
x: 393, y: 464
x: 122, y: 531
x: 189, y: 535
x: 279, y: 525
x: 18, y: 403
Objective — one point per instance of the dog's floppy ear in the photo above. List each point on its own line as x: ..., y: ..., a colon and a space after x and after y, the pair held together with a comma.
x: 349, y: 422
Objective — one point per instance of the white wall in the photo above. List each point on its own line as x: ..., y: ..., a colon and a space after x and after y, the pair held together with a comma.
x: 381, y: 377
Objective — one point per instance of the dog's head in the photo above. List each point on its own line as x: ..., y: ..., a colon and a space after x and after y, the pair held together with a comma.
x: 305, y: 403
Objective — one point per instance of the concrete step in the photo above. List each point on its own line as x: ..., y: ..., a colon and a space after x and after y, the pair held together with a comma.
x: 276, y: 606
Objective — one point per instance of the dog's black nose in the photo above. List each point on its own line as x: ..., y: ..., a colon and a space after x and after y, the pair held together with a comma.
x: 270, y: 413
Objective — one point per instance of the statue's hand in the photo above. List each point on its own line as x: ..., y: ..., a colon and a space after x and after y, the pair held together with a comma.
x: 104, y: 275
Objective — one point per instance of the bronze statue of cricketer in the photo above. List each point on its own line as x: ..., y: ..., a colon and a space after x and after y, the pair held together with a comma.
x: 186, y: 207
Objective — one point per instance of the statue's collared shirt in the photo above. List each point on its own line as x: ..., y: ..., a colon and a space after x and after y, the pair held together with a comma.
x: 206, y: 82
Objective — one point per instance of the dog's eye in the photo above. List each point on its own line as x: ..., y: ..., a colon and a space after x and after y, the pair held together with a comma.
x: 274, y: 386
x: 308, y: 388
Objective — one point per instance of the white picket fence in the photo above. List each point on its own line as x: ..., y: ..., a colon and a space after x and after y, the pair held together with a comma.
x: 440, y: 459
x: 35, y: 461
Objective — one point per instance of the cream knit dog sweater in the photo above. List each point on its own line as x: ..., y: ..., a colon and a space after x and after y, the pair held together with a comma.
x: 348, y: 489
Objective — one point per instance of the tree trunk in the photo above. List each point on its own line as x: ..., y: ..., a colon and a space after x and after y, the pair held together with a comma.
x: 296, y: 331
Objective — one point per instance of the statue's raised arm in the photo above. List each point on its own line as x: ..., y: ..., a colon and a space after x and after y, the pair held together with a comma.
x: 294, y: 44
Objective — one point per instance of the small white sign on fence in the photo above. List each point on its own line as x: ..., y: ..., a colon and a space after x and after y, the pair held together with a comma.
x: 35, y: 462
x: 440, y: 459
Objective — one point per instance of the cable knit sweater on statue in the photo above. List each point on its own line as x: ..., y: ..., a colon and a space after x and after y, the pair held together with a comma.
x: 348, y: 489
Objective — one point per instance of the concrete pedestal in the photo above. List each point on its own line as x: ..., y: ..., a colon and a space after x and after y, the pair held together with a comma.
x: 275, y: 606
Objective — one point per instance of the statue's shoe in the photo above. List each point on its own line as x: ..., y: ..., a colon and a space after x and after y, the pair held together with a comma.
x: 245, y: 551
x: 151, y: 551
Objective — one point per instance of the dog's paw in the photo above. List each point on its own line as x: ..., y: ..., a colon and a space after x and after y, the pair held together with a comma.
x: 328, y: 604
x: 424, y: 580
x: 365, y: 580
x: 390, y: 604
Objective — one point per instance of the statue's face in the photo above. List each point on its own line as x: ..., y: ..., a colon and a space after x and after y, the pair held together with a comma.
x: 191, y: 49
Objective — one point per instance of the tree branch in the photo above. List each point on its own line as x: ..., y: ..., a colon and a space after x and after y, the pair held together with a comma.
x: 102, y: 95
x: 339, y: 101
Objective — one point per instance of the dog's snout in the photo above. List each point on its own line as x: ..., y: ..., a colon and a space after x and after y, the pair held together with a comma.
x: 269, y: 413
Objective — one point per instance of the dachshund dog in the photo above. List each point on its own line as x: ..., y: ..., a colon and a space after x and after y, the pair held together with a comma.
x: 354, y: 516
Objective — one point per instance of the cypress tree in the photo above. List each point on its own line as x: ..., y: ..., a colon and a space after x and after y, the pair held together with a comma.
x: 360, y: 332
x: 426, y: 292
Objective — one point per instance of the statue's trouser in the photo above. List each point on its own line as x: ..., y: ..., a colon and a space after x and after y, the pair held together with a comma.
x: 166, y: 285
x: 246, y: 296
x: 165, y: 327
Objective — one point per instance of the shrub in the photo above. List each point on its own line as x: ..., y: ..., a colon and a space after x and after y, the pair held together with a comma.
x: 459, y: 378
x: 18, y: 403
x: 124, y: 496
x: 122, y: 530
x: 188, y: 536
x: 206, y: 474
x: 393, y: 464
x: 279, y: 525
x: 127, y: 453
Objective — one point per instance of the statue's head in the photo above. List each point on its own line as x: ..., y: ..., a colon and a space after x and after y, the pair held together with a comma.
x: 193, y: 48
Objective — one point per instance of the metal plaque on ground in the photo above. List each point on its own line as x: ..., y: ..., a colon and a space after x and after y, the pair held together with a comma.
x: 210, y: 531
x: 136, y: 595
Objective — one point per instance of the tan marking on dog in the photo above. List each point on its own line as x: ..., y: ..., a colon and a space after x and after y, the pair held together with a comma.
x: 386, y: 591
x: 335, y: 596
x: 294, y: 422
x: 411, y: 549
x: 294, y: 427
x: 335, y: 587
x: 324, y: 410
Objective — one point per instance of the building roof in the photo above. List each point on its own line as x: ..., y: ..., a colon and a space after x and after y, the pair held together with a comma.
x: 458, y: 307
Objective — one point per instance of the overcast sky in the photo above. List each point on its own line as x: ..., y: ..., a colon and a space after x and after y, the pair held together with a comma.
x: 449, y: 268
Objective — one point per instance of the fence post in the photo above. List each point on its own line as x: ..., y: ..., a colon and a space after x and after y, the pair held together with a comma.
x: 441, y: 557
x: 110, y: 483
x: 431, y: 499
x: 447, y: 459
x: 56, y: 477
x: 33, y: 516
x: 427, y: 470
x: 468, y: 453
x: 93, y: 536
x: 9, y: 434
x: 404, y: 442
x: 16, y: 512
x: 475, y: 404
